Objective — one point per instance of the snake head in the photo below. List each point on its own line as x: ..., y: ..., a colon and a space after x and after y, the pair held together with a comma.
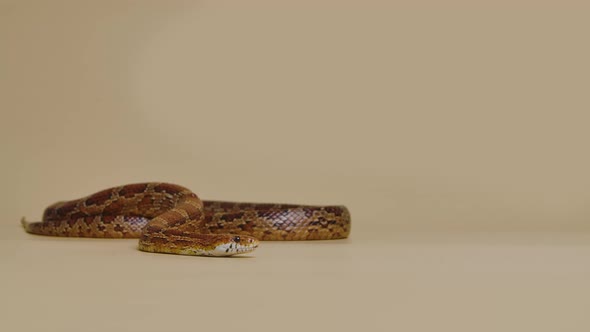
x: 236, y: 245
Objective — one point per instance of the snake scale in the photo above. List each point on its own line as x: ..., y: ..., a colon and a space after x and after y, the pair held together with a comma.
x: 169, y: 218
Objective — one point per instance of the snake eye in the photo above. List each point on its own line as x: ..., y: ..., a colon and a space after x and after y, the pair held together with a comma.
x: 237, y: 239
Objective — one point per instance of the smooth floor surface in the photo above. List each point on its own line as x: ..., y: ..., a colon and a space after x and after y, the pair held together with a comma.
x: 395, y: 282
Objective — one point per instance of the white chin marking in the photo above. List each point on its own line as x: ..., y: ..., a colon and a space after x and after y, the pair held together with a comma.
x: 230, y: 249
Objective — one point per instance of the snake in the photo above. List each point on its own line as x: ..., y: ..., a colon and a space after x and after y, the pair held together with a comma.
x: 169, y: 218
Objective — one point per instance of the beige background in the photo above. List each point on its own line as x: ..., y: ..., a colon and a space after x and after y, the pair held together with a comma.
x: 456, y: 134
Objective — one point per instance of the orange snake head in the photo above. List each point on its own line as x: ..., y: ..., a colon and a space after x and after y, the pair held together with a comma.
x: 236, y: 245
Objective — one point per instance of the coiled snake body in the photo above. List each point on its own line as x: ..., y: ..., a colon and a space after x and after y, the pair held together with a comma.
x: 168, y: 218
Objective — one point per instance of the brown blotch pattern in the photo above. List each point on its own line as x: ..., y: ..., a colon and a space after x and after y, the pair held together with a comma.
x: 167, y: 216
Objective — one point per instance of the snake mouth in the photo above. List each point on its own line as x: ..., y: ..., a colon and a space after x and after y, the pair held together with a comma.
x: 230, y: 249
x: 237, y: 245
